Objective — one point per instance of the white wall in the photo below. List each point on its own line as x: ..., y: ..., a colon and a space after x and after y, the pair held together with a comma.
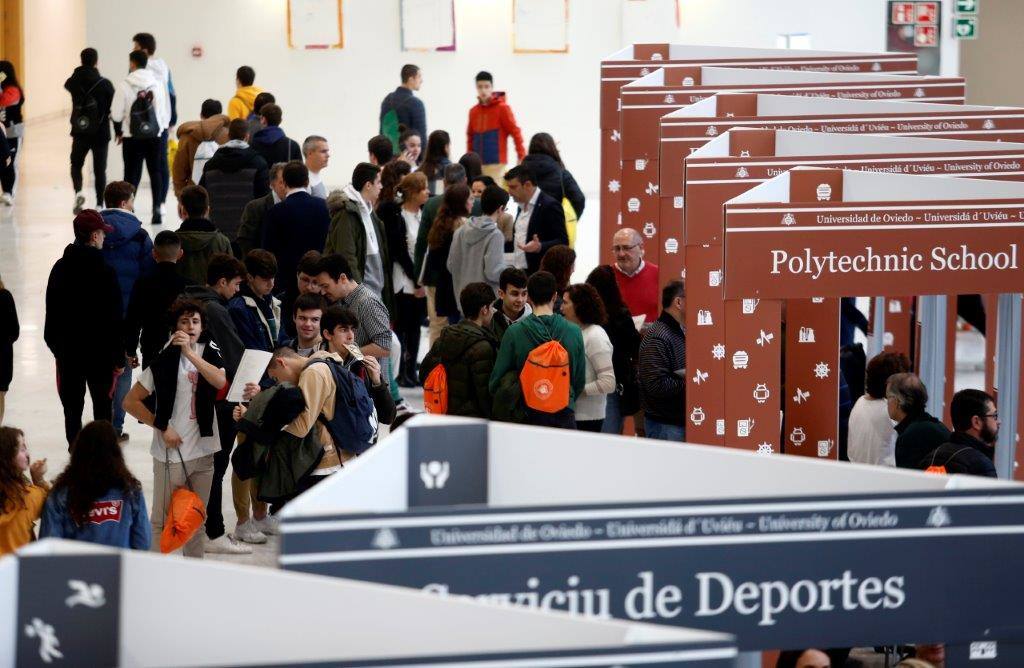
x: 54, y: 33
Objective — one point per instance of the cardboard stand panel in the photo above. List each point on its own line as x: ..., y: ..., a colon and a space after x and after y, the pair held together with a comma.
x: 614, y: 542
x: 639, y: 60
x: 706, y: 365
x: 812, y: 378
x: 753, y: 388
x: 76, y: 604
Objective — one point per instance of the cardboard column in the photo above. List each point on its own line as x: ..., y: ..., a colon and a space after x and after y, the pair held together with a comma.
x: 706, y: 365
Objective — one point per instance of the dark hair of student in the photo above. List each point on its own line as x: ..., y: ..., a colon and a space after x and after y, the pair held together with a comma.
x: 245, y: 75
x: 966, y: 404
x: 238, y: 129
x: 541, y: 287
x: 146, y: 42
x: 559, y: 260
x: 222, y: 265
x: 390, y: 177
x: 89, y: 57
x: 474, y: 297
x: 139, y: 59
x: 878, y: 370
x: 484, y: 75
x: 337, y: 315
x: 672, y: 290
x: 272, y: 114
x: 437, y: 149
x: 407, y: 134
x: 295, y: 174
x: 473, y: 164
x: 166, y: 239
x: 513, y: 276
x: 454, y: 207
x: 381, y: 149
x: 117, y: 192
x: 307, y: 263
x: 13, y: 483
x: 211, y: 108
x: 602, y: 278
x: 544, y: 144
x: 334, y: 265
x: 484, y: 179
x: 493, y: 199
x: 260, y: 263
x: 309, y: 302
x: 262, y: 99
x: 183, y: 306
x: 97, y: 466
x: 364, y: 173
x: 520, y: 173
x: 409, y: 71
x: 195, y: 200
x: 587, y: 304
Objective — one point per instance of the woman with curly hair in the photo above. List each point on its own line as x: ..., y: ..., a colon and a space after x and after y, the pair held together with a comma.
x: 21, y: 501
x: 582, y: 305
x: 455, y: 208
x: 96, y: 498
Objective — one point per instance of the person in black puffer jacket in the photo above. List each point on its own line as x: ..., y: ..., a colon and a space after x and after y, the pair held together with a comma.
x: 467, y: 350
x: 545, y: 163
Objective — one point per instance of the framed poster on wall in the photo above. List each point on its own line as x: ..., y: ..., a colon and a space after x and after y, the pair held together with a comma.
x: 315, y: 24
x: 540, y: 26
x: 428, y: 25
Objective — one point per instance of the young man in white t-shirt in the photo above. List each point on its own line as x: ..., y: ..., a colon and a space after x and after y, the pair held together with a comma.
x: 185, y: 435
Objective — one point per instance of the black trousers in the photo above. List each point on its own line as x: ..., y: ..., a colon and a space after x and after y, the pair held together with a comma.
x: 8, y: 173
x: 409, y: 313
x: 73, y: 377
x: 215, y: 507
x: 80, y: 147
x: 165, y: 168
x: 135, y: 152
x: 589, y: 425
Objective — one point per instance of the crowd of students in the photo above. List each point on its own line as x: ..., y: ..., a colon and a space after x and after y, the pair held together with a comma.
x: 336, y: 285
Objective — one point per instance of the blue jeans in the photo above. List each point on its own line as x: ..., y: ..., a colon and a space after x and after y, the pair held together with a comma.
x: 613, y: 418
x: 121, y: 389
x: 662, y: 431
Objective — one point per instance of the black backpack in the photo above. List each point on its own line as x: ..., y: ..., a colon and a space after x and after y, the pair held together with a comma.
x: 143, y: 124
x: 85, y: 114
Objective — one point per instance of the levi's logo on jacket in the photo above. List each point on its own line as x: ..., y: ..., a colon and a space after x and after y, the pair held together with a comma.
x: 105, y: 511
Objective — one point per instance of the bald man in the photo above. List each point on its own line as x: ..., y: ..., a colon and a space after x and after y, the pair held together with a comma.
x: 637, y: 279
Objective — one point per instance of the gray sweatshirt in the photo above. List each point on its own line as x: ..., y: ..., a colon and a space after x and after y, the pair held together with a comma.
x: 477, y: 255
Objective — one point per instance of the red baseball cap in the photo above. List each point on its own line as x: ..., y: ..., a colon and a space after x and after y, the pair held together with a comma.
x: 88, y: 222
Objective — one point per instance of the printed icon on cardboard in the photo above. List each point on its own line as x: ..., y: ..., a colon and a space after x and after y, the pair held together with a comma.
x: 888, y: 339
x: 700, y: 376
x: 765, y: 448
x: 614, y: 186
x: 711, y: 131
x: 801, y: 396
x: 640, y: 164
x: 761, y: 393
x: 806, y: 335
x: 687, y: 81
x: 720, y: 427
x: 765, y: 338
x: 824, y: 447
x: 742, y: 173
x: 697, y: 416
x: 989, y: 124
x: 823, y: 192
x: 730, y: 114
x: 718, y: 351
x: 789, y: 219
x: 616, y: 135
x: 817, y: 300
x: 649, y: 230
x: 633, y: 204
x: 876, y: 67
x: 704, y: 318
x: 651, y: 189
x: 677, y: 202
x: 670, y: 99
x: 821, y: 370
x: 797, y: 436
x: 919, y: 92
x: 744, y: 153
x: 744, y: 427
x: 715, y: 278
x: 657, y: 56
x: 750, y: 306
x: 671, y: 246
x: 895, y: 306
x: 740, y: 359
x: 644, y: 71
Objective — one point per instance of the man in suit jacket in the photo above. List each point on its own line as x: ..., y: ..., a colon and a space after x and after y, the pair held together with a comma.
x: 540, y: 223
x: 294, y: 226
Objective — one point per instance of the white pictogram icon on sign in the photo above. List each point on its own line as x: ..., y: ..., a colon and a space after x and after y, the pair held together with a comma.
x: 989, y: 124
x: 671, y: 246
x: 720, y: 427
x: 761, y: 393
x: 670, y: 99
x: 824, y: 447
x: 765, y: 449
x: 806, y: 335
x: 715, y: 278
x: 614, y: 186
x: 876, y: 67
x: 888, y: 339
x: 656, y: 56
x: 765, y: 338
x: 687, y: 81
x: 385, y: 539
x: 633, y: 204
x: 801, y: 395
x: 817, y: 300
x: 730, y: 114
x: 677, y: 202
x: 704, y: 318
x: 700, y: 376
x: 649, y: 230
x: 740, y: 358
x: 895, y: 306
x: 48, y: 641
x: 434, y: 474
x: 797, y: 436
x: 711, y: 131
x: 789, y: 219
x: 89, y: 595
x: 938, y: 518
x: 651, y: 189
x: 750, y: 306
x: 697, y: 416
x: 742, y: 173
x: 821, y: 370
x: 718, y: 351
x: 616, y: 136
x: 640, y: 164
x: 823, y: 192
x: 919, y: 92
x: 984, y: 650
x: 744, y: 153
x: 744, y: 427
x: 645, y: 71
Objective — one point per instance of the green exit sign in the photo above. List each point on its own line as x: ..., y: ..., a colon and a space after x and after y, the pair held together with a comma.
x: 967, y: 6
x: 966, y: 27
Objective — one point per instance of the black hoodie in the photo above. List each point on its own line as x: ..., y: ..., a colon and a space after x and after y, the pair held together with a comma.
x: 87, y: 80
x: 83, y: 308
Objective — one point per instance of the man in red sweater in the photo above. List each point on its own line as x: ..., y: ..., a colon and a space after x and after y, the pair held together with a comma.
x: 637, y: 279
x: 490, y: 123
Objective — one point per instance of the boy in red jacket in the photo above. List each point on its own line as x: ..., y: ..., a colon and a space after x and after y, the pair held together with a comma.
x: 491, y: 121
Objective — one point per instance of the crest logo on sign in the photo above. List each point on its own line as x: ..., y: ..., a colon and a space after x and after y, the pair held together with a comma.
x: 989, y: 124
x: 919, y: 92
x: 789, y: 219
x: 742, y: 173
x: 670, y: 99
x: 938, y: 518
x: 876, y: 67
x: 711, y: 131
x: 385, y: 539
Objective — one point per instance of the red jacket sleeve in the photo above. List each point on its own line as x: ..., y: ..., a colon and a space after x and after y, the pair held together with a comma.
x: 508, y: 123
x: 11, y: 95
x: 469, y: 131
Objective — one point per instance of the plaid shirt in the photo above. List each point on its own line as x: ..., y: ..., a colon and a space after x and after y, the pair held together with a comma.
x: 374, y: 322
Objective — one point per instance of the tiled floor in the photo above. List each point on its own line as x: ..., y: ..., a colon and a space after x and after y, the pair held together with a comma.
x: 33, y: 235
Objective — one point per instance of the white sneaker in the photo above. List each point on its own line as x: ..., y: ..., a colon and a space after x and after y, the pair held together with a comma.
x: 226, y: 545
x: 269, y: 525
x: 248, y: 533
x: 163, y: 210
x: 7, y: 199
x: 79, y: 203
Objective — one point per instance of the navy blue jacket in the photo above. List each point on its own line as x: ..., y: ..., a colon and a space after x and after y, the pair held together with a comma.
x: 409, y: 109
x: 295, y: 226
x: 128, y: 250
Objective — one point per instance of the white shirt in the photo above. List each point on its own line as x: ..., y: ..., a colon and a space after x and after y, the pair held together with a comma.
x: 521, y: 226
x: 402, y: 281
x: 600, y: 376
x: 871, y: 439
x: 316, y: 185
x: 183, y: 416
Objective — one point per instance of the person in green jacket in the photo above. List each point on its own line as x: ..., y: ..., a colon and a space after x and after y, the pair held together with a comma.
x: 526, y: 334
x: 467, y: 350
x: 200, y: 240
